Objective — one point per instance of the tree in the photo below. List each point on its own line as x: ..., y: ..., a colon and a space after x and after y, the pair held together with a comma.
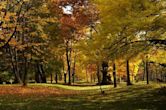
x: 74, y: 16
x: 129, y: 25
x: 24, y: 39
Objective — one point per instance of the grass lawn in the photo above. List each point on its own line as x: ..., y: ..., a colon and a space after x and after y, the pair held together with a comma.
x: 62, y: 97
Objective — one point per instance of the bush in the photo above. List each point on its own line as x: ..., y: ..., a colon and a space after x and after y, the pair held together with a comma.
x: 5, y: 77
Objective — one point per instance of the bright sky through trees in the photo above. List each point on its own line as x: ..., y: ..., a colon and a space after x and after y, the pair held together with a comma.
x: 68, y: 9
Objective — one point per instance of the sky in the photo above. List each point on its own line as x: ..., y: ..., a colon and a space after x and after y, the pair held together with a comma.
x: 68, y: 9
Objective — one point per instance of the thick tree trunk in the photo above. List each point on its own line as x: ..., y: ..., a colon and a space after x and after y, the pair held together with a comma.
x: 43, y: 74
x: 114, y: 74
x: 40, y: 76
x: 17, y: 69
x: 105, y: 80
x: 13, y: 55
x: 37, y: 74
x: 128, y: 73
x: 16, y: 77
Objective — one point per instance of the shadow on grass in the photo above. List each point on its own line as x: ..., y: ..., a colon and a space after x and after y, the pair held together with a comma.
x: 149, y: 100
x: 130, y: 98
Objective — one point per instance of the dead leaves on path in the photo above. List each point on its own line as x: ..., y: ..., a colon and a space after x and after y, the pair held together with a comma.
x: 35, y: 91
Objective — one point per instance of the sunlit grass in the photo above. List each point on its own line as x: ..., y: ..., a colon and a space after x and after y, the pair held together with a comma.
x: 105, y: 87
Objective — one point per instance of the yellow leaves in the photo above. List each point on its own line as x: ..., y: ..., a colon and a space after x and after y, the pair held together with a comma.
x: 4, y: 25
x: 52, y: 19
x: 160, y: 56
x: 44, y: 36
x: 7, y: 18
x: 33, y: 34
x: 13, y: 42
x: 19, y: 28
x: 28, y: 56
x: 21, y: 47
x: 2, y: 36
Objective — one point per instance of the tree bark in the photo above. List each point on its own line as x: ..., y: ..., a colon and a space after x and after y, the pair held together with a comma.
x: 14, y: 62
x: 114, y: 74
x: 128, y: 73
x: 68, y: 62
x: 25, y: 71
x: 105, y: 80
x: 147, y: 72
x: 51, y: 78
x: 40, y: 76
x: 74, y: 67
x: 56, y: 78
x: 43, y: 76
x: 65, y: 78
x: 37, y: 74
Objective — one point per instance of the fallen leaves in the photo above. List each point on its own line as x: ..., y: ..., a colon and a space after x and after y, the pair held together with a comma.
x: 34, y: 91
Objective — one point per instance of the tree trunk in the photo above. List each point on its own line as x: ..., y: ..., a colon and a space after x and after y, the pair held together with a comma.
x: 68, y: 62
x: 56, y: 78
x: 37, y: 74
x: 13, y: 55
x: 114, y: 74
x: 73, y: 77
x: 25, y: 71
x: 51, y: 78
x: 40, y: 76
x: 43, y: 76
x: 105, y: 80
x: 147, y: 72
x: 128, y: 73
x: 65, y: 78
x: 143, y: 77
x: 74, y: 66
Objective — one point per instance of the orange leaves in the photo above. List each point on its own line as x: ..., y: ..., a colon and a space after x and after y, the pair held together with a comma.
x: 33, y: 91
x: 79, y: 14
x: 13, y: 42
x: 68, y: 21
x: 82, y: 19
x: 75, y: 21
x: 33, y: 34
